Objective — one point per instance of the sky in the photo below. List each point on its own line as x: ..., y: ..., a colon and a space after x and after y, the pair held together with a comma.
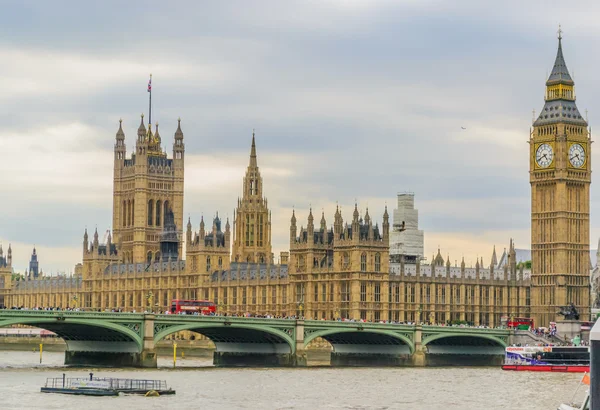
x: 350, y: 100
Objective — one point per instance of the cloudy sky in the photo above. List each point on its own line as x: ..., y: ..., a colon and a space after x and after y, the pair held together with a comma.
x: 349, y: 99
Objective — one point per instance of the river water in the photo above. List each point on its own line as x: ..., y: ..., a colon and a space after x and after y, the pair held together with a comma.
x: 199, y: 385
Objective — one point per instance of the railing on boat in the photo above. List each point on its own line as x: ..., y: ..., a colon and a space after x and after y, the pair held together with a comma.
x: 106, y: 383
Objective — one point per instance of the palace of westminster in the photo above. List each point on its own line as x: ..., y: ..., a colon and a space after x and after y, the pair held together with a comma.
x: 356, y: 269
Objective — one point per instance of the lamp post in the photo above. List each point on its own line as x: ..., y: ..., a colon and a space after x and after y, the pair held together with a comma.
x: 74, y: 298
x: 222, y: 306
x: 149, y: 297
x: 301, y: 309
x: 431, y: 318
x: 419, y: 310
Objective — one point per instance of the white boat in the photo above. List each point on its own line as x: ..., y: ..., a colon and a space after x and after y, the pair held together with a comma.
x: 585, y: 404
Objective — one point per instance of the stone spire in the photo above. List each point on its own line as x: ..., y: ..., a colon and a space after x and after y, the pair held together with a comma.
x: 9, y: 256
x: 253, y: 162
x: 560, y: 95
x: 560, y: 73
x: 120, y: 134
x: 202, y: 231
x: 494, y: 261
x: 141, y: 130
x: 355, y: 214
x: 323, y: 222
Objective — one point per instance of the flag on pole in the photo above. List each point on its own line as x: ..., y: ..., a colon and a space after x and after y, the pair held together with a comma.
x: 150, y: 84
x: 586, y: 379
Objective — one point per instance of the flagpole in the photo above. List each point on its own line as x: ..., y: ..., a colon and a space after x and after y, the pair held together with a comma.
x: 150, y: 104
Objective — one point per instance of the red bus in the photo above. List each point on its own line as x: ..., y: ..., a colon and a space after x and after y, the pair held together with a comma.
x: 523, y: 323
x: 189, y: 307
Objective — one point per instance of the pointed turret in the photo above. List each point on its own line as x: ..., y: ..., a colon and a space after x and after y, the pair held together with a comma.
x: 109, y: 244
x: 355, y: 214
x: 95, y: 240
x: 338, y: 224
x: 560, y: 72
x: 188, y: 233
x: 9, y: 256
x: 202, y: 231
x: 323, y: 222
x: 253, y: 163
x: 560, y: 95
x: 178, y: 145
x: 293, y: 228
x: 85, y: 241
x: 141, y: 130
x: 120, y: 136
x: 386, y: 225
x: 494, y: 261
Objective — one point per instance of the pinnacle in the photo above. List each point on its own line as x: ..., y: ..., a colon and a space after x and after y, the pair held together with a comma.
x: 253, y: 162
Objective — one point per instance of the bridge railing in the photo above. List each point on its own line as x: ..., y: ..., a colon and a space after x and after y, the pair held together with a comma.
x: 71, y: 313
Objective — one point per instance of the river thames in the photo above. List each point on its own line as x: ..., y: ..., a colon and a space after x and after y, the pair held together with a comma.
x: 199, y: 385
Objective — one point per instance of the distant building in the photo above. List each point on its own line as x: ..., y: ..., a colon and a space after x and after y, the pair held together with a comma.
x: 34, y: 266
x: 406, y: 239
x: 5, y: 275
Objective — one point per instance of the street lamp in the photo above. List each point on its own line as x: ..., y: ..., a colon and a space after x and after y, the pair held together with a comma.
x: 74, y: 298
x: 419, y: 310
x: 149, y: 297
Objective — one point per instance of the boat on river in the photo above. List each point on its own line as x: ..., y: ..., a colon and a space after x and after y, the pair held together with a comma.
x: 105, y: 386
x: 564, y: 359
x: 585, y: 404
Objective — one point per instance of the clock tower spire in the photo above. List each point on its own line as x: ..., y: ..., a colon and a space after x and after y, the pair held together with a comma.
x: 560, y: 177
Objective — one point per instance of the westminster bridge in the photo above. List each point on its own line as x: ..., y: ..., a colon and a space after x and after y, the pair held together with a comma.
x: 129, y: 339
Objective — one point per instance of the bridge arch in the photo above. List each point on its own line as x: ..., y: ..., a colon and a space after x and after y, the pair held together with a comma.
x: 79, y: 330
x: 235, y: 337
x: 476, y: 339
x: 378, y: 338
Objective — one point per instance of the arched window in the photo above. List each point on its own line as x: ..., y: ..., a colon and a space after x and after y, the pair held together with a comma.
x: 208, y: 263
x: 150, y: 212
x: 315, y: 262
x: 158, y: 212
x: 157, y: 257
x: 346, y: 260
x: 132, y: 212
x: 220, y: 262
x: 377, y: 262
x: 363, y: 262
x: 251, y: 187
x: 166, y: 207
x: 128, y: 212
x: 149, y: 258
x: 124, y: 220
x: 261, y: 259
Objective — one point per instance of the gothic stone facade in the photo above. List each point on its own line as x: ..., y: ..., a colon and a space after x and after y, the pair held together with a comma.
x: 343, y: 272
x: 560, y: 176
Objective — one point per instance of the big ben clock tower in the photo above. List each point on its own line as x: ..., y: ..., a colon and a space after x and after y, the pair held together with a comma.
x: 560, y: 177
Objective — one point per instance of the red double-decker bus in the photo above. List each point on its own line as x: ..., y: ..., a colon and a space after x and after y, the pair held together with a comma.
x: 517, y: 322
x: 189, y: 307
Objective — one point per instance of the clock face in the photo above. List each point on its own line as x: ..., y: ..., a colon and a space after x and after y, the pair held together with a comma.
x: 544, y: 155
x: 577, y: 155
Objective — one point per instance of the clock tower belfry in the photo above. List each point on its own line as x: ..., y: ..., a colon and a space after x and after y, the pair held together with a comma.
x: 560, y: 177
